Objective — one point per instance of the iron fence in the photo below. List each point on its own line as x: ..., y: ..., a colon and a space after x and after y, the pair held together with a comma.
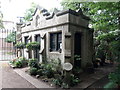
x: 7, y: 50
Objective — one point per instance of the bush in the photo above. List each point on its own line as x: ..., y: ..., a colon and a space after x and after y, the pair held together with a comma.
x: 49, y: 73
x: 57, y: 82
x: 18, y: 64
x: 74, y: 80
x: 20, y: 45
x: 33, y: 71
x: 24, y: 61
x: 40, y: 72
x: 33, y: 63
x: 33, y: 45
x: 115, y: 76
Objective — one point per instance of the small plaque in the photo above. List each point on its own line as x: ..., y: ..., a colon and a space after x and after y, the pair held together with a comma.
x: 67, y: 66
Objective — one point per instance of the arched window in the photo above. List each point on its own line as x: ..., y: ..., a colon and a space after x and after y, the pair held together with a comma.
x: 37, y: 20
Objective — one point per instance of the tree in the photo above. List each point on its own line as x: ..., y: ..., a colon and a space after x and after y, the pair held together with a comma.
x: 1, y: 16
x: 104, y: 15
x: 30, y: 11
x: 11, y: 38
x: 104, y: 19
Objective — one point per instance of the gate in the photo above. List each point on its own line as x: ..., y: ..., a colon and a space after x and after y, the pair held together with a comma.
x: 7, y: 50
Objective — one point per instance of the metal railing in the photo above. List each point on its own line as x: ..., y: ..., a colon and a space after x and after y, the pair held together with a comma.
x: 7, y: 50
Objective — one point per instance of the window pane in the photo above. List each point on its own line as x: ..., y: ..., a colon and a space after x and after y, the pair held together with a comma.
x: 55, y: 41
x: 37, y: 38
x: 59, y: 40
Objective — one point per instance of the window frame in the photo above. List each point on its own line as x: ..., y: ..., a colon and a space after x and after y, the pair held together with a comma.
x: 55, y: 36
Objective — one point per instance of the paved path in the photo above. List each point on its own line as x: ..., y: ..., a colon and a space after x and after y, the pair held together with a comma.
x: 97, y: 79
x: 19, y: 79
x: 100, y: 83
x: 11, y: 79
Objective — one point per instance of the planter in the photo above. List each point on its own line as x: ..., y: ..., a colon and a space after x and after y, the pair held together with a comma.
x: 33, y: 45
x: 20, y: 45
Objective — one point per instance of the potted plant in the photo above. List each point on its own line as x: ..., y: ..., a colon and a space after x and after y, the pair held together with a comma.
x: 20, y: 45
x: 33, y: 45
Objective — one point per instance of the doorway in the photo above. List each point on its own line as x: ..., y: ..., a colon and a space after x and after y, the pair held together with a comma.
x: 36, y: 53
x: 77, y: 50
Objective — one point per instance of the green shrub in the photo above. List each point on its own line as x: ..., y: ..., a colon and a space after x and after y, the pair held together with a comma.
x: 20, y: 45
x: 33, y: 71
x: 57, y: 82
x: 48, y: 73
x: 33, y: 45
x: 18, y: 64
x: 24, y: 61
x: 33, y: 63
x: 74, y: 80
x: 110, y: 85
x: 40, y: 72
x: 115, y: 76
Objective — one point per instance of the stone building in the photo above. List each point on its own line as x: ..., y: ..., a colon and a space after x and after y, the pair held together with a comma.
x: 64, y: 35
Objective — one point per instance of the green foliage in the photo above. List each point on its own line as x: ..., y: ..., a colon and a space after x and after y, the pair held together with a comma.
x: 40, y: 72
x: 33, y: 45
x: 19, y: 62
x: 57, y: 82
x: 74, y: 80
x: 115, y: 78
x: 77, y: 57
x: 104, y: 15
x: 30, y: 11
x: 11, y: 37
x: 1, y: 17
x: 104, y: 20
x: 24, y: 61
x: 109, y: 85
x: 33, y: 71
x: 33, y: 63
x: 20, y: 45
x: 50, y: 68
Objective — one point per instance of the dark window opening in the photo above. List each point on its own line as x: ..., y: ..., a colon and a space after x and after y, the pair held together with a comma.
x: 26, y: 40
x: 55, y: 41
x: 37, y: 38
x: 36, y: 53
x: 77, y: 50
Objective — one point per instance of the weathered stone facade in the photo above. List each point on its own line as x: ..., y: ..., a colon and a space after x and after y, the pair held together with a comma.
x: 76, y: 39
